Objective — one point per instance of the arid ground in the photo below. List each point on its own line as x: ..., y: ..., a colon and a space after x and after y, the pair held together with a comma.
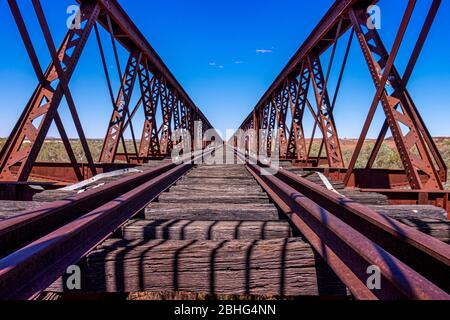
x: 53, y: 151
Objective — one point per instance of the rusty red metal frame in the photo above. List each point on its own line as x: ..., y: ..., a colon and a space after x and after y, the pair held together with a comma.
x: 33, y: 223
x: 349, y: 250
x: 28, y: 136
x: 38, y: 245
x: 351, y: 237
x: 156, y: 83
x: 424, y: 168
x: 36, y: 266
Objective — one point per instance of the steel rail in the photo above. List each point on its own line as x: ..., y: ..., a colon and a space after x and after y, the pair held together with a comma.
x: 42, y: 243
x: 28, y: 271
x: 32, y: 224
x: 422, y: 252
x: 351, y: 237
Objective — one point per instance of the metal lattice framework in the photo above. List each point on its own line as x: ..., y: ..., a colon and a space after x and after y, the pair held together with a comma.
x: 424, y: 168
x: 144, y: 72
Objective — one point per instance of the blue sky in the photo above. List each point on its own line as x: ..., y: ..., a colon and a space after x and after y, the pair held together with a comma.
x: 226, y: 54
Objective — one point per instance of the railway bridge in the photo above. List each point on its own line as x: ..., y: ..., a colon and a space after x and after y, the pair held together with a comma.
x: 177, y: 209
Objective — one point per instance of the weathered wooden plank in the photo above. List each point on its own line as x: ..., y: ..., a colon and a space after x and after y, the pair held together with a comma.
x: 269, y: 267
x: 430, y: 220
x: 217, y: 188
x: 9, y: 209
x: 412, y: 212
x: 202, y: 211
x: 53, y: 195
x: 436, y: 228
x: 367, y: 198
x: 213, y: 197
x: 205, y: 230
x: 216, y: 181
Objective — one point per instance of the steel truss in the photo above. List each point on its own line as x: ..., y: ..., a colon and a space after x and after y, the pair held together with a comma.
x: 159, y: 93
x: 424, y: 169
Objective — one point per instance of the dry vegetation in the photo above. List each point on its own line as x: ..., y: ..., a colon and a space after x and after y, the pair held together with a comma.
x: 53, y: 151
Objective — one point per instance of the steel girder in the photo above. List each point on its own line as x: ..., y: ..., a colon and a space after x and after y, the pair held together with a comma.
x: 156, y: 83
x: 22, y: 148
x: 298, y: 95
x: 150, y: 95
x: 325, y: 114
x: 282, y: 110
x: 423, y: 164
x: 121, y: 109
x: 167, y: 109
x: 400, y: 114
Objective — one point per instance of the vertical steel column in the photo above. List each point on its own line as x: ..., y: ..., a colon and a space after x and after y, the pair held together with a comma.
x: 121, y: 109
x: 298, y: 96
x: 325, y: 115
x: 176, y: 113
x: 271, y: 124
x: 413, y: 151
x: 184, y: 116
x: 281, y: 119
x: 150, y: 96
x: 264, y: 124
x: 166, y: 105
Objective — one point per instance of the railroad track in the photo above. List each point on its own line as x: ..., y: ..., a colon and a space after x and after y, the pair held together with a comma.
x: 221, y: 229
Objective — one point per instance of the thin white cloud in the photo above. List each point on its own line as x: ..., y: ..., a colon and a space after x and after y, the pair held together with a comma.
x: 216, y: 65
x: 263, y: 51
x: 239, y: 62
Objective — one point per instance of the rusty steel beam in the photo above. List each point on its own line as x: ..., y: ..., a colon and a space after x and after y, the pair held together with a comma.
x: 396, y: 108
x: 121, y: 109
x: 41, y: 262
x: 325, y: 114
x: 351, y: 237
x: 326, y: 29
x: 19, y: 155
x: 133, y: 40
x: 26, y: 140
x: 32, y: 224
x: 407, y: 97
x: 150, y: 96
x: 423, y: 253
x: 423, y: 164
x: 282, y: 110
x: 298, y: 95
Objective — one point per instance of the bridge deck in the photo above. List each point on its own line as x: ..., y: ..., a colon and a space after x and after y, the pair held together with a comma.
x: 217, y: 232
